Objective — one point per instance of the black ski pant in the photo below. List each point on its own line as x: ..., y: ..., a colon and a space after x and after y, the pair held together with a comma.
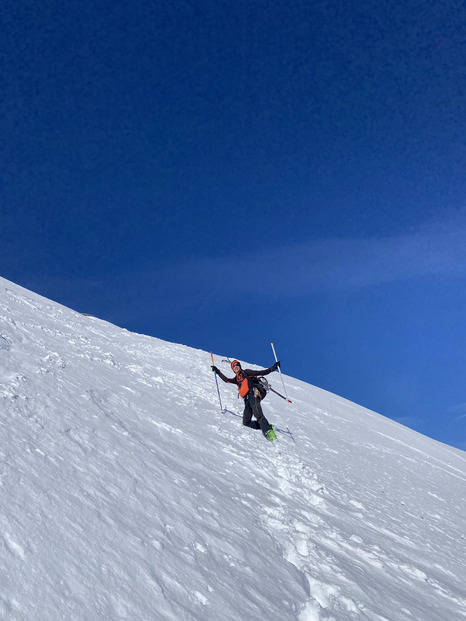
x: 252, y: 406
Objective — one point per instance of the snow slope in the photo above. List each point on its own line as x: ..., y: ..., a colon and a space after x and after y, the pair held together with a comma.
x: 127, y: 494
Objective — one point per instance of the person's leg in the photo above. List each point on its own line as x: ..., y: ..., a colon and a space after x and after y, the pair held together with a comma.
x: 255, y: 405
x: 247, y: 416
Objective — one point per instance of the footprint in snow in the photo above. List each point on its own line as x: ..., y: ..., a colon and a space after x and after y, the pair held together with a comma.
x: 14, y: 548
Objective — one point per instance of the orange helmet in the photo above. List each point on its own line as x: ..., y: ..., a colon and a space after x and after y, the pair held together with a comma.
x: 235, y: 362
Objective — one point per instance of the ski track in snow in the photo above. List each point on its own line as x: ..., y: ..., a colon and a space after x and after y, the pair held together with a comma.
x: 127, y: 494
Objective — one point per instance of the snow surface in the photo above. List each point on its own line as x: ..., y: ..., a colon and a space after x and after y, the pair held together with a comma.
x: 127, y: 494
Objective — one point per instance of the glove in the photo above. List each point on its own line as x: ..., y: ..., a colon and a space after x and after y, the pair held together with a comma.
x: 276, y: 365
x: 214, y: 369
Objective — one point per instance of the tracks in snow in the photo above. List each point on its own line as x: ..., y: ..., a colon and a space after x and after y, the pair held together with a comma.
x: 297, y: 520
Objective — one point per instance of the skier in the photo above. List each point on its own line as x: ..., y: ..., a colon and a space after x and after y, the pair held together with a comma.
x: 252, y: 395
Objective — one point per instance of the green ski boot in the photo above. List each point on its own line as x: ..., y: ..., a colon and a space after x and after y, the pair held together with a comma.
x: 270, y: 434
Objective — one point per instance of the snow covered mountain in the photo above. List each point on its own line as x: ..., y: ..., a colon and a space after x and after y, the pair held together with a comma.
x: 127, y: 494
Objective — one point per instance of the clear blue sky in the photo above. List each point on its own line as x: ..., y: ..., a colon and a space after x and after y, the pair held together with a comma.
x: 224, y: 174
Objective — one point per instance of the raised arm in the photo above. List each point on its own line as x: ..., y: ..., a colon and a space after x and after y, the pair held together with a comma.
x: 251, y: 373
x: 223, y: 377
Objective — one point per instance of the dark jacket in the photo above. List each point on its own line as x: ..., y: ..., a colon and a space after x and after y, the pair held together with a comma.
x: 242, y: 380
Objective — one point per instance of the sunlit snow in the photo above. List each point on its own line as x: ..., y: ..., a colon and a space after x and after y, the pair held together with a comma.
x: 127, y: 494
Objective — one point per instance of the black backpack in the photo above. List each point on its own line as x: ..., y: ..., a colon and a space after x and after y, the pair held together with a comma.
x: 261, y: 384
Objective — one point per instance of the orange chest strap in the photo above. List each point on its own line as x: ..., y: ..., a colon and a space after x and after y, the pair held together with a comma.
x: 243, y: 385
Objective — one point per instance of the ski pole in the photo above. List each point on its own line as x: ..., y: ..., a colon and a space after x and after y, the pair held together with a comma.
x: 280, y: 371
x: 216, y: 381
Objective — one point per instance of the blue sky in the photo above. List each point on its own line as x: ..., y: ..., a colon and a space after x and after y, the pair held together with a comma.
x: 229, y: 174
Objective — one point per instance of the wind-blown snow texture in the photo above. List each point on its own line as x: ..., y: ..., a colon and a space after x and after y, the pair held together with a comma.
x: 127, y: 494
